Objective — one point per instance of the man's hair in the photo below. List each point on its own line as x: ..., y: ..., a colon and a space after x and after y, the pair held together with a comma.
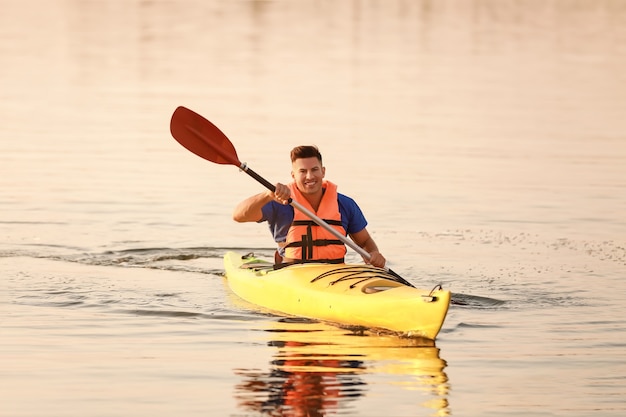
x: 305, y: 151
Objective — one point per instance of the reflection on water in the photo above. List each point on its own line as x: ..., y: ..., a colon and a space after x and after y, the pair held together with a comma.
x: 317, y: 369
x: 301, y: 392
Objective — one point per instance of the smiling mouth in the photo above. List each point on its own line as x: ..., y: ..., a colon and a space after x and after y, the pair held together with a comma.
x: 310, y: 185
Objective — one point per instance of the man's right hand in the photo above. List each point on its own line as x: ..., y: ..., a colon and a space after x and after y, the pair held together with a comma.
x: 282, y: 193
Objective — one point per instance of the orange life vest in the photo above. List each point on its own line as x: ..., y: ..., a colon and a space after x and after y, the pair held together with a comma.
x: 306, y: 240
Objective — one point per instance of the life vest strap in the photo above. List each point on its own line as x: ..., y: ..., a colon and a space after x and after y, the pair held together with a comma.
x: 288, y: 262
x: 312, y: 223
x: 317, y: 242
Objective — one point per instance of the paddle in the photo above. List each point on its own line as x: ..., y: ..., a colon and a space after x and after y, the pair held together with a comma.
x: 206, y: 140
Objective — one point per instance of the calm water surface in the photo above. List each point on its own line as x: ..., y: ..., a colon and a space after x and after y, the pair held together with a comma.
x: 485, y: 141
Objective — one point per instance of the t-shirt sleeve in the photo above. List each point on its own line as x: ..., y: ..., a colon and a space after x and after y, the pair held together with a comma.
x: 351, y: 215
x: 278, y: 217
x: 268, y: 213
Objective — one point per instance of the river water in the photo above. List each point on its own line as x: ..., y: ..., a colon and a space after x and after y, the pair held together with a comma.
x: 484, y: 140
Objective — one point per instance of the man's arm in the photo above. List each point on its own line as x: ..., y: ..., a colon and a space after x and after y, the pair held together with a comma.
x: 364, y: 240
x: 250, y: 209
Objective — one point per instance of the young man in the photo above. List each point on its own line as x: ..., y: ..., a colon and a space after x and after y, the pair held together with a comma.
x: 298, y: 237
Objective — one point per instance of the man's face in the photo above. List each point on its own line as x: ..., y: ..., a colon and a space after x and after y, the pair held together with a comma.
x: 308, y: 174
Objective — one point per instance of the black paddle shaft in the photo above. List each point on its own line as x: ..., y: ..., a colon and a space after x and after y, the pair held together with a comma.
x: 259, y: 178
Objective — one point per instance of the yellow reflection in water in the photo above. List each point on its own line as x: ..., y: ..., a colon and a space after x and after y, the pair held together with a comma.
x: 317, y: 368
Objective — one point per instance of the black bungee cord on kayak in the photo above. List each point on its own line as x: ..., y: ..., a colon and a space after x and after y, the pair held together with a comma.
x: 359, y: 272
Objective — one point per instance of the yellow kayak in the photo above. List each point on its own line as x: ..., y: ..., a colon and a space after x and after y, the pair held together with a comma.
x: 353, y: 295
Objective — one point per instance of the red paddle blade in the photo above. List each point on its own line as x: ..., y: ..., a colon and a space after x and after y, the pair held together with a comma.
x: 202, y: 137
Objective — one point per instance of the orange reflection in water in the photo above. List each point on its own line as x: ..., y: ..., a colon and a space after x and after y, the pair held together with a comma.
x: 319, y: 368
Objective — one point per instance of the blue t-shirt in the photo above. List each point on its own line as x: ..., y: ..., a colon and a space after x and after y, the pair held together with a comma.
x: 280, y: 216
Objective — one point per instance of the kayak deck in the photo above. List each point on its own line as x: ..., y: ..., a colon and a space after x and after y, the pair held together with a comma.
x: 354, y: 295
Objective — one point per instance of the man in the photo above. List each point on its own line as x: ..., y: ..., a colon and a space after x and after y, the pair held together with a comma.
x: 298, y: 237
